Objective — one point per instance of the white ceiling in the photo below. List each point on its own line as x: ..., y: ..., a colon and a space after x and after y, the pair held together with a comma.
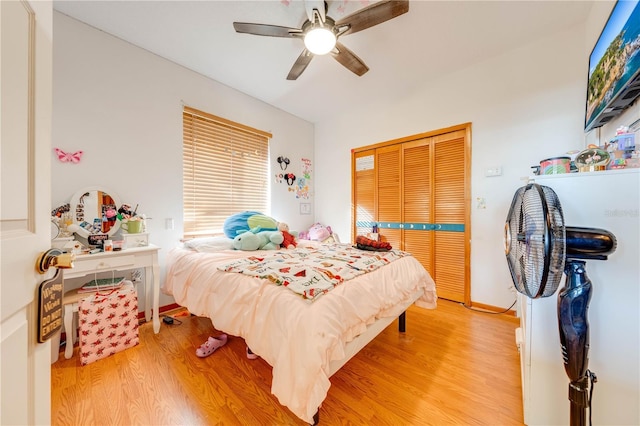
x: 432, y: 39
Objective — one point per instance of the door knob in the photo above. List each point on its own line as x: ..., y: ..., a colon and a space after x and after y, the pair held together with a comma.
x: 54, y: 258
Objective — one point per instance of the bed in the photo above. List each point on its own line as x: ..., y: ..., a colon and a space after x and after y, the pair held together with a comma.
x: 305, y: 340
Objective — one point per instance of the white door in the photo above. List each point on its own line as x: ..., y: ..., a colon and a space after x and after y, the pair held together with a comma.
x: 25, y: 205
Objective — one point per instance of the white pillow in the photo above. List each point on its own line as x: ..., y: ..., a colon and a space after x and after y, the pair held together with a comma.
x: 209, y: 244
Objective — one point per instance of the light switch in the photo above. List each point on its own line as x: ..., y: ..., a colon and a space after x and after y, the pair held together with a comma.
x: 168, y: 224
x: 493, y: 171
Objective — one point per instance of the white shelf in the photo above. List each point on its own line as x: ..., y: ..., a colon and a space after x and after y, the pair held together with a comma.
x: 634, y: 171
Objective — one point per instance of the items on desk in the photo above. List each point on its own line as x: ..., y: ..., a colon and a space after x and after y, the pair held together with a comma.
x: 97, y: 239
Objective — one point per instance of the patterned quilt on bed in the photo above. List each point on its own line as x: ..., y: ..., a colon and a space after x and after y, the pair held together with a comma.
x: 312, y: 272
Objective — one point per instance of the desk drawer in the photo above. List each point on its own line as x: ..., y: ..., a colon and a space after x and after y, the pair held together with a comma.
x: 100, y: 264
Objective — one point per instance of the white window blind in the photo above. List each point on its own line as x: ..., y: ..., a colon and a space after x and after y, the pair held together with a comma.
x: 225, y: 171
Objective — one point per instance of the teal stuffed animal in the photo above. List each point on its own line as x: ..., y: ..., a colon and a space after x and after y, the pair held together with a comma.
x: 238, y: 223
x: 263, y: 240
x: 271, y: 240
x: 247, y: 241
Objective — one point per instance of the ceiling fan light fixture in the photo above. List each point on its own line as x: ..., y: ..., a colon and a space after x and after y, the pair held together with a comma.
x: 320, y: 32
x: 320, y: 40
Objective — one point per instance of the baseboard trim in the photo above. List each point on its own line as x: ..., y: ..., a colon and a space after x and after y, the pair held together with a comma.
x: 494, y: 309
x: 170, y: 307
x: 161, y: 309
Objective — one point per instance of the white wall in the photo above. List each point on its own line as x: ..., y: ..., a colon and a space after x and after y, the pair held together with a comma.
x: 122, y: 106
x: 524, y: 106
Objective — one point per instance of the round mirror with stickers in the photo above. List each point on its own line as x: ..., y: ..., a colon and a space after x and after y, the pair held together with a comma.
x: 94, y: 211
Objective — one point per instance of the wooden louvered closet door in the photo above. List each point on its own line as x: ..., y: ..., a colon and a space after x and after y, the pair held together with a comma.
x: 418, y: 202
x: 449, y: 213
x: 364, y: 190
x: 416, y: 191
x: 389, y: 209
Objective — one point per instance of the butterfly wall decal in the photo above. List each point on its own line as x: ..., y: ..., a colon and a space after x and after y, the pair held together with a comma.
x: 67, y: 157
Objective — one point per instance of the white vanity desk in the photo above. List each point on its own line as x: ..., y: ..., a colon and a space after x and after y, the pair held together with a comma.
x: 87, y: 264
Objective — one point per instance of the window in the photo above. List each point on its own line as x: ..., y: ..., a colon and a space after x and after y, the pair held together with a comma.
x: 225, y: 171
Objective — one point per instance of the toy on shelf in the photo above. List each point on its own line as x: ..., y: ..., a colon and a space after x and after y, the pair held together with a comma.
x: 634, y: 161
x: 621, y: 149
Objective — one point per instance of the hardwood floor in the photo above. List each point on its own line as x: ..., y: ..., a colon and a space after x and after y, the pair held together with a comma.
x: 452, y: 366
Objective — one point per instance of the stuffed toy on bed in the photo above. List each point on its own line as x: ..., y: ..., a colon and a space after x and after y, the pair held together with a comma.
x: 318, y: 232
x: 263, y: 240
x: 290, y: 240
x: 239, y: 223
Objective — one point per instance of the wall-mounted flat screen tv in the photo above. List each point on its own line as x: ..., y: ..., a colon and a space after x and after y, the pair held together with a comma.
x: 614, y: 66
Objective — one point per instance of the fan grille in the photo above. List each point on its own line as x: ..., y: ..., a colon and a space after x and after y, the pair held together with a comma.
x: 535, y: 241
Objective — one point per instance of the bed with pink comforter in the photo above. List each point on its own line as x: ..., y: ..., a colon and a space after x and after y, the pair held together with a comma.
x: 298, y: 337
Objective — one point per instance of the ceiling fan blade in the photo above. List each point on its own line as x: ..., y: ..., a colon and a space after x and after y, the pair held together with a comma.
x: 319, y: 5
x: 267, y: 30
x: 371, y: 15
x: 300, y: 65
x: 349, y: 59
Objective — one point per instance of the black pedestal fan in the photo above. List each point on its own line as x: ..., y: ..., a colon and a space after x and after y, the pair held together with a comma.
x: 539, y: 248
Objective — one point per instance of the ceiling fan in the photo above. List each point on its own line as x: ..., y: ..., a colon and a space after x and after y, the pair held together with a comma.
x: 320, y: 33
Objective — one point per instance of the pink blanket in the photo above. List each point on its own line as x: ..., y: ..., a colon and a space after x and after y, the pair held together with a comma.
x: 269, y: 317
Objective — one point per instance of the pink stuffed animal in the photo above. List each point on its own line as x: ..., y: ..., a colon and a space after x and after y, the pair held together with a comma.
x: 317, y: 232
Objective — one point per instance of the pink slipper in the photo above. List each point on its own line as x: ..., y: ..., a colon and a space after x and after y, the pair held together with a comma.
x: 210, y: 346
x: 250, y: 354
